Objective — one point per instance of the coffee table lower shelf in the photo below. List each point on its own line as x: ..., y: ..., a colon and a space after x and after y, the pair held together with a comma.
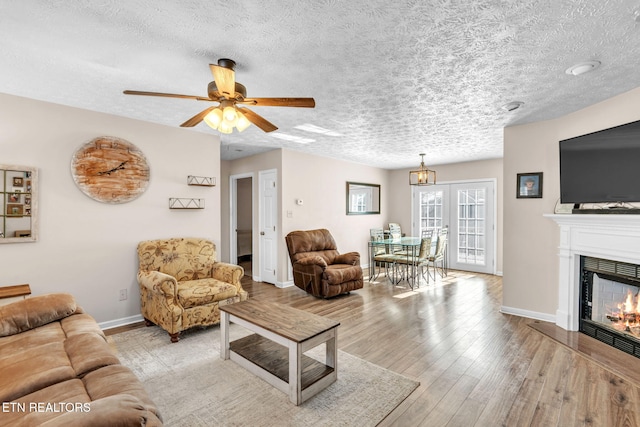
x: 276, y: 353
x: 273, y: 360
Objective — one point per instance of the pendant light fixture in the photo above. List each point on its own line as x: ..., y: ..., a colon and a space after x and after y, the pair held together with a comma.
x: 422, y: 176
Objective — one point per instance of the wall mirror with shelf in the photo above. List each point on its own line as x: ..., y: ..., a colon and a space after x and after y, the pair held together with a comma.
x: 19, y: 214
x: 363, y: 199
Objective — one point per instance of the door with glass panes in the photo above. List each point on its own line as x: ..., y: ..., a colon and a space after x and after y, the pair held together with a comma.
x: 468, y: 210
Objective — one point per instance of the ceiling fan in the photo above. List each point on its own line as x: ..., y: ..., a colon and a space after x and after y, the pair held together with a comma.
x: 229, y: 94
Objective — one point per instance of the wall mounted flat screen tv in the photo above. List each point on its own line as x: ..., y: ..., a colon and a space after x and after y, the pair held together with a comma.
x: 601, y: 167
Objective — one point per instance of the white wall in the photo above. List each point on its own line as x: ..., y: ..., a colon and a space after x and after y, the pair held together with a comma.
x: 245, y: 166
x: 322, y: 184
x: 85, y: 247
x: 245, y: 204
x: 530, y: 283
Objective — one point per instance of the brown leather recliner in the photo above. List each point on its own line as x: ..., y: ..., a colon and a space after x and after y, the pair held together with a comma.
x: 318, y: 267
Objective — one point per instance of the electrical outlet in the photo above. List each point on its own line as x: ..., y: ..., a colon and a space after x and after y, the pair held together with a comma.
x: 123, y: 294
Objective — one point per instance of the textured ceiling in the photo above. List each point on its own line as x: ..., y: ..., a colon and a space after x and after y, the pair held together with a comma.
x: 390, y: 79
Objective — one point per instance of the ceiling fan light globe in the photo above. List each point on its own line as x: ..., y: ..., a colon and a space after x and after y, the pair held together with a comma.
x: 225, y: 128
x: 214, y: 118
x: 230, y: 114
x: 242, y: 122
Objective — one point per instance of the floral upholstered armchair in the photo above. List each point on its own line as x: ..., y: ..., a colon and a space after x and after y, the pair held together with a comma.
x: 182, y: 285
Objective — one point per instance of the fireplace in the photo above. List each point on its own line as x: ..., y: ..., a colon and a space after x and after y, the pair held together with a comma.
x: 609, y: 303
x: 612, y: 238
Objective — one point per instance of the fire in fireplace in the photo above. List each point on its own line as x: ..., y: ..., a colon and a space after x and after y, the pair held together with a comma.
x: 625, y: 317
x: 610, y: 304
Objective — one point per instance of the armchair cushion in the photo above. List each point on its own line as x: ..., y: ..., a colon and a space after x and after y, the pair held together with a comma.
x: 351, y: 258
x: 192, y: 293
x: 313, y: 260
x: 340, y: 273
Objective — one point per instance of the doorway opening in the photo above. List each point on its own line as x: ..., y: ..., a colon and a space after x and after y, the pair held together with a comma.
x: 241, y: 247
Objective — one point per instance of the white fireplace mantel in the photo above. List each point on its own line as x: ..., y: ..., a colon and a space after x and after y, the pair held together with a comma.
x: 607, y: 236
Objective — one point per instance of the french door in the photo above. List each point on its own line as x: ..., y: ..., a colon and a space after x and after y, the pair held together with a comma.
x: 468, y: 210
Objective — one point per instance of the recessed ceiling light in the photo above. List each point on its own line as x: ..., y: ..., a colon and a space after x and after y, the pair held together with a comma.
x: 317, y: 129
x: 512, y: 106
x: 292, y: 138
x: 582, y: 67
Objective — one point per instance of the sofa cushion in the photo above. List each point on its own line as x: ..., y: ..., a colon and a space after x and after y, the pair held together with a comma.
x: 114, y: 380
x: 192, y: 293
x: 26, y: 410
x: 26, y: 371
x: 122, y: 410
x: 33, y: 312
x: 74, y: 407
x: 340, y: 273
x: 31, y: 338
x: 84, y: 361
x: 80, y: 324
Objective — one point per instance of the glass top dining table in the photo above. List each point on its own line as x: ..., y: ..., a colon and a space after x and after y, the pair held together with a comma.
x: 404, y: 241
x: 410, y: 250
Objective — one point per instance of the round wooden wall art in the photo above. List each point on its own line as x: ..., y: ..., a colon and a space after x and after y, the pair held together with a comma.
x: 110, y: 170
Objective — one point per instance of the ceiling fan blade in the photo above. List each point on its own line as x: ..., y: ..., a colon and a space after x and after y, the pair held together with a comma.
x: 168, y: 95
x: 225, y: 79
x: 280, y: 102
x: 258, y: 120
x: 197, y: 118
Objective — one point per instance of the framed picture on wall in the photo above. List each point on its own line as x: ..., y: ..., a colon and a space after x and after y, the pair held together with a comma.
x: 14, y: 210
x: 529, y: 185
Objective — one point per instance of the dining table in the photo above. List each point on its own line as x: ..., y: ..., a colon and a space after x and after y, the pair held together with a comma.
x: 406, y: 247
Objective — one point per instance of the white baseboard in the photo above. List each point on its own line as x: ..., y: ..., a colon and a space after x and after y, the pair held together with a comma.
x: 121, y: 322
x: 528, y: 314
x: 286, y: 284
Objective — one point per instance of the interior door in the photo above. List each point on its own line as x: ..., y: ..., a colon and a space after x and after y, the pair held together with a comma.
x: 468, y: 210
x: 268, y: 195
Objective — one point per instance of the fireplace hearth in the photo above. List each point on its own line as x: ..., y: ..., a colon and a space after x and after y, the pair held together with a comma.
x: 609, y: 303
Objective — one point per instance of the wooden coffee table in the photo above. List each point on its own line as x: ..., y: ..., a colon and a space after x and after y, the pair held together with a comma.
x: 275, y: 352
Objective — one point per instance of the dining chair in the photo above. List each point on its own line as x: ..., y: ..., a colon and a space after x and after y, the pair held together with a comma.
x: 420, y: 261
x: 395, y: 232
x: 439, y: 256
x: 379, y: 253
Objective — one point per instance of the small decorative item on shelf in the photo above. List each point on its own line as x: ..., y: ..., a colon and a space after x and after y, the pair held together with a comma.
x: 202, y: 181
x: 185, y: 203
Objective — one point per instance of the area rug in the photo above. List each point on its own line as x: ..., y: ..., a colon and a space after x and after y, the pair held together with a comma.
x: 192, y: 386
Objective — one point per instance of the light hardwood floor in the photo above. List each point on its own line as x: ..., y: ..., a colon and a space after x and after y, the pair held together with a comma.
x: 476, y: 366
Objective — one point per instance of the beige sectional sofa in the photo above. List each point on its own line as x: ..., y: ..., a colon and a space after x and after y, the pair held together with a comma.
x: 57, y: 369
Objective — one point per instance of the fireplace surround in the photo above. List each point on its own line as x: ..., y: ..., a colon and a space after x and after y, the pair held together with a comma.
x: 608, y: 237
